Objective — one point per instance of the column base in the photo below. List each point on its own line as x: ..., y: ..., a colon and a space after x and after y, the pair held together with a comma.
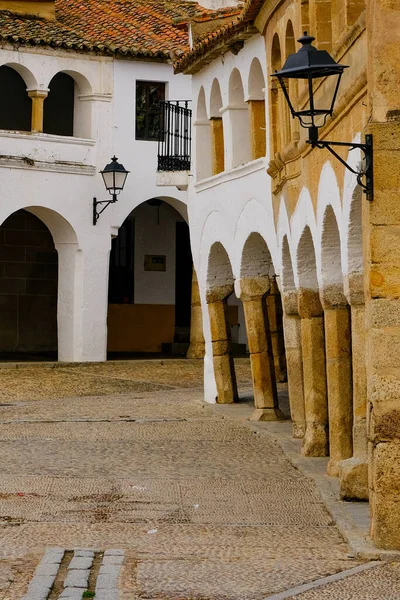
x: 298, y: 431
x: 332, y: 470
x: 353, y: 473
x: 267, y: 414
x: 315, y: 441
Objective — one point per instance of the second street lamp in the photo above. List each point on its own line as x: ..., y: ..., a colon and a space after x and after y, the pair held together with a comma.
x: 310, y: 65
x: 114, y: 176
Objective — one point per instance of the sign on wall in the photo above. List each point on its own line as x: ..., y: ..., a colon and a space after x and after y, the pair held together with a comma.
x: 154, y: 262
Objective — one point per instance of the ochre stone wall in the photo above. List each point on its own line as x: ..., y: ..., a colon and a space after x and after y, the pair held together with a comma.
x: 28, y: 285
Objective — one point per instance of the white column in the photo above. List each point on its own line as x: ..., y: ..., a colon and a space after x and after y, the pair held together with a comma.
x: 66, y: 312
x: 83, y: 299
x: 236, y: 135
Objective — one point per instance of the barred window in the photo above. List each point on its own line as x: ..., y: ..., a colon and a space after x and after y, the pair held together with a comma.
x: 149, y: 94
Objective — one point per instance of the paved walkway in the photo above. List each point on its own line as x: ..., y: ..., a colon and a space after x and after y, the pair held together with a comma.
x: 125, y: 459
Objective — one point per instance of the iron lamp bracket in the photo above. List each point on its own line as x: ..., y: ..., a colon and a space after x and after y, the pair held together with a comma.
x: 97, y: 213
x: 367, y: 171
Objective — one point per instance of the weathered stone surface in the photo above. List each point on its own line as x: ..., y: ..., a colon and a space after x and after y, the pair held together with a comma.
x: 339, y: 386
x: 315, y: 441
x: 353, y: 479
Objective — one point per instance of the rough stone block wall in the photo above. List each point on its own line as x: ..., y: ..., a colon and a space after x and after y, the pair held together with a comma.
x: 28, y: 285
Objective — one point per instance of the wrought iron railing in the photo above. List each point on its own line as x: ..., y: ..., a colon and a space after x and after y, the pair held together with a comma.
x: 174, y: 144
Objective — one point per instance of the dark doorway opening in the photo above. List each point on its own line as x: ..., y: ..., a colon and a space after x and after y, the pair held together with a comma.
x: 183, y: 283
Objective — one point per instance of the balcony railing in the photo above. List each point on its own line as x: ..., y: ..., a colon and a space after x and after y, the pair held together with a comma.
x: 174, y: 145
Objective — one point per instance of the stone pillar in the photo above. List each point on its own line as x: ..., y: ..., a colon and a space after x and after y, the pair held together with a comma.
x: 274, y: 307
x: 294, y: 363
x: 38, y: 97
x: 338, y: 375
x: 197, y: 344
x: 224, y: 368
x: 257, y: 128
x: 252, y: 292
x: 237, y: 135
x: 353, y: 472
x: 315, y: 441
x: 217, y: 145
x: 381, y: 229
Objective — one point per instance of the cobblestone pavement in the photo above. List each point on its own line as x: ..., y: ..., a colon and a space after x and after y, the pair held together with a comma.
x: 126, y: 456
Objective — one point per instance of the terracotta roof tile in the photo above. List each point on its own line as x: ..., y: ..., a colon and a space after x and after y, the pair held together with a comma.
x: 138, y: 28
x: 217, y: 42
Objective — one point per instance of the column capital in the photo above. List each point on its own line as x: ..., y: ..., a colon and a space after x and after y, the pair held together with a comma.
x: 38, y: 93
x: 219, y: 293
x: 250, y: 288
x: 354, y: 289
x: 290, y: 302
x: 332, y: 296
x: 309, y: 303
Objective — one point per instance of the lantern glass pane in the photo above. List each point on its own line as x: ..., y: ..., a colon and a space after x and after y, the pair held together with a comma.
x: 108, y: 178
x: 120, y: 177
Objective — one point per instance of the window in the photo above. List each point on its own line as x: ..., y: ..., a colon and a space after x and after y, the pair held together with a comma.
x: 120, y: 286
x: 149, y: 94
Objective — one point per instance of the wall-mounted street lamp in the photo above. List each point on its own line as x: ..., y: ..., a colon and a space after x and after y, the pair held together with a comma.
x: 114, y: 177
x: 310, y: 64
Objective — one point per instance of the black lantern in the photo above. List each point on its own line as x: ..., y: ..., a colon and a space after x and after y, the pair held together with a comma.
x: 310, y: 65
x: 114, y: 177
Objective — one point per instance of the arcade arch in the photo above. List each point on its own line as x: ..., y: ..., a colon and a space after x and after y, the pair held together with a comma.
x: 15, y: 104
x: 37, y: 248
x: 150, y: 282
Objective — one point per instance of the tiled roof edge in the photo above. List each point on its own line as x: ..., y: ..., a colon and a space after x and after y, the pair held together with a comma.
x: 192, y: 61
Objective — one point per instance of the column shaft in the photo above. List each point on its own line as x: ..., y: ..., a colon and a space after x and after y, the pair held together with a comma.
x: 217, y: 145
x: 257, y: 128
x: 38, y: 97
x: 197, y: 345
x: 224, y: 369
x: 274, y: 306
x: 354, y: 471
x: 261, y: 359
x: 315, y: 441
x: 339, y: 381
x: 294, y: 365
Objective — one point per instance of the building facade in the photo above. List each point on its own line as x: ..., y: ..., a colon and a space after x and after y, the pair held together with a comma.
x: 70, y: 101
x: 270, y: 215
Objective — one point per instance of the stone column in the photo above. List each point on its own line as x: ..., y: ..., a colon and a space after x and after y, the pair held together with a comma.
x: 224, y: 368
x: 257, y: 128
x: 353, y: 472
x: 294, y: 363
x: 38, y: 97
x: 252, y: 292
x: 217, y: 145
x: 197, y: 344
x: 339, y: 376
x: 274, y: 307
x: 315, y: 441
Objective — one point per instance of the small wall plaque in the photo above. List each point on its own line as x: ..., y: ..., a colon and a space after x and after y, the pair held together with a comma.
x: 155, y: 262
